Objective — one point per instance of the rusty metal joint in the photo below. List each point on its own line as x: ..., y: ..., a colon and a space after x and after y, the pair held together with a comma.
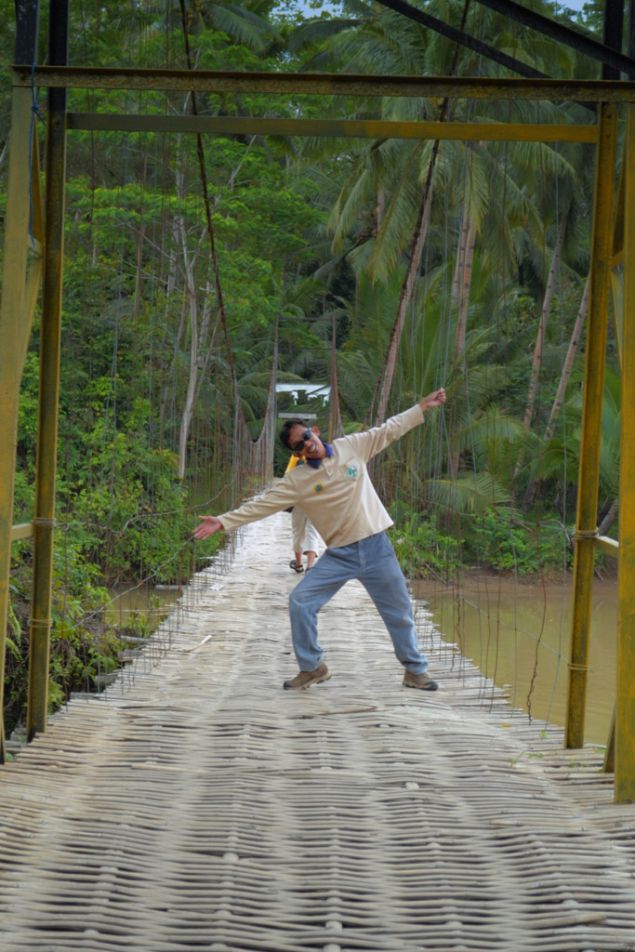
x: 42, y: 623
x: 581, y: 534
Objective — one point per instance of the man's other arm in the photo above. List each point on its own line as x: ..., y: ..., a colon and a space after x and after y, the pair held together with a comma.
x: 278, y: 497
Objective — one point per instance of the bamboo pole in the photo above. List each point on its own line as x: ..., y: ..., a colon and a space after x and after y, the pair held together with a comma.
x: 588, y: 473
x: 625, y: 707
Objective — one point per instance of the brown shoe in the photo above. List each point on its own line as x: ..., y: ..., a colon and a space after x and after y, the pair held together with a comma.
x: 420, y: 681
x: 304, y: 679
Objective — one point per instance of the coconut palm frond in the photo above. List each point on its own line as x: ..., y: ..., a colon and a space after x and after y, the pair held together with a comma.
x: 314, y: 32
x: 354, y: 199
x: 469, y: 494
x: 395, y: 231
x: 242, y: 25
x: 356, y: 382
x: 491, y: 426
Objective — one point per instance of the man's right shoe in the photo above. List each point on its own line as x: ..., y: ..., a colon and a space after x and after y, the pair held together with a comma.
x: 304, y: 679
x: 420, y: 681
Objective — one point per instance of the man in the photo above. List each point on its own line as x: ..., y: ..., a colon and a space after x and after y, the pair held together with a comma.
x: 335, y: 491
x: 306, y: 540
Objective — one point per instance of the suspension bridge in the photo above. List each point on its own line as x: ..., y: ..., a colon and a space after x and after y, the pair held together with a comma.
x: 195, y: 804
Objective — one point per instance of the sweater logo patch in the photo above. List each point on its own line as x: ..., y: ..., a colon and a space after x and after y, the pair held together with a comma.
x: 318, y: 487
x: 352, y: 472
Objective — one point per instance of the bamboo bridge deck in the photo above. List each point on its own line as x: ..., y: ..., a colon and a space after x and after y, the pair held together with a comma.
x: 195, y: 805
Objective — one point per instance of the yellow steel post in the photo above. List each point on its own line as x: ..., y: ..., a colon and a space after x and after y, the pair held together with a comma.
x: 588, y: 473
x: 617, y: 279
x: 12, y: 336
x: 625, y: 708
x: 50, y: 346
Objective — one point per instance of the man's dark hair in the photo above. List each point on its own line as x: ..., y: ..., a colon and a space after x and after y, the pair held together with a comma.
x: 286, y: 429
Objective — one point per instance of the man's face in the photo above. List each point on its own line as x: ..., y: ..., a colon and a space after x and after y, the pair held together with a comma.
x: 307, y: 441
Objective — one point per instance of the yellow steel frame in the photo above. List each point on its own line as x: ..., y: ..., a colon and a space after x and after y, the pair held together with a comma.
x: 610, y: 215
x: 21, y: 278
x: 48, y: 403
x: 625, y: 707
x: 589, y: 475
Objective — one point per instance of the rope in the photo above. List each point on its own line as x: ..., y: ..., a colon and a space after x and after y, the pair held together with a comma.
x: 247, y: 454
x: 208, y: 212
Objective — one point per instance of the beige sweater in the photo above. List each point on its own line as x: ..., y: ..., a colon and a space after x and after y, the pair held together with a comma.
x: 338, y: 497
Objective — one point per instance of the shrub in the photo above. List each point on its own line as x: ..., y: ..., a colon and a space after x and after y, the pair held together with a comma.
x: 422, y: 549
x: 501, y: 540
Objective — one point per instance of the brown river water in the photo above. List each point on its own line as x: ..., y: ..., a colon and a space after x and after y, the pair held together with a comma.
x: 515, y: 630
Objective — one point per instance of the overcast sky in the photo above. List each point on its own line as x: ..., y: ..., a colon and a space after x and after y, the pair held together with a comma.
x: 308, y: 11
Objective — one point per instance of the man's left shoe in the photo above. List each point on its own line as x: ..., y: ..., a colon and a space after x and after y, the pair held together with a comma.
x: 420, y: 681
x: 304, y: 679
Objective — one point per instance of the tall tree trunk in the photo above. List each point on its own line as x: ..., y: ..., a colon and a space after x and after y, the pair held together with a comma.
x: 407, y: 289
x: 536, y: 360
x: 464, y: 283
x: 460, y: 301
x: 567, y: 367
x: 192, y: 310
x: 569, y: 360
x: 200, y: 343
x: 421, y: 231
x: 169, y: 375
x: 537, y: 357
x: 609, y: 517
x: 138, y: 287
x: 335, y: 418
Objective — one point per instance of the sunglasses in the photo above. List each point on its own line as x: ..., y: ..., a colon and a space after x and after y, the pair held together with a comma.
x: 299, y: 446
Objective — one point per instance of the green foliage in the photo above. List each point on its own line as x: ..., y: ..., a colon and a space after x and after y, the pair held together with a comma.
x: 131, y: 517
x: 80, y: 644
x: 499, y: 539
x: 422, y: 550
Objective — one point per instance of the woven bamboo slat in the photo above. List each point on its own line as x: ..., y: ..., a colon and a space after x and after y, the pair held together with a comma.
x: 196, y: 805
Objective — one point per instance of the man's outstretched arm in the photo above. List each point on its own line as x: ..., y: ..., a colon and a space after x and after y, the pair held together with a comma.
x: 370, y: 442
x: 277, y: 497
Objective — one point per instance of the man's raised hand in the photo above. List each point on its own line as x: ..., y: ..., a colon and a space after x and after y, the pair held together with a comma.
x: 434, y: 399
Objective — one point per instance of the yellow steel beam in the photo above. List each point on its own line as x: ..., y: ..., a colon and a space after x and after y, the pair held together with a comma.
x: 13, y: 331
x: 625, y: 707
x: 37, y: 211
x: 341, y: 84
x: 36, y: 240
x: 335, y: 128
x: 608, y: 546
x: 50, y: 352
x: 24, y: 530
x: 617, y: 260
x: 588, y: 474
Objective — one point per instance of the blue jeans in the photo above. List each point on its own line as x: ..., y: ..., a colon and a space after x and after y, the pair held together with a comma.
x: 373, y: 562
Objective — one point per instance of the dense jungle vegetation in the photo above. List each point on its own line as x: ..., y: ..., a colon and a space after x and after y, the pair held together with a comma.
x: 466, y: 262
